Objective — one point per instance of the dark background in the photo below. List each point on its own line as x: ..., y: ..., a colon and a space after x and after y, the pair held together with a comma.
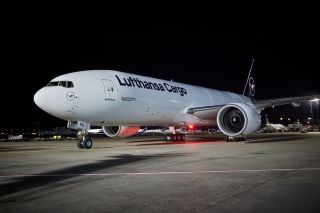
x: 33, y: 54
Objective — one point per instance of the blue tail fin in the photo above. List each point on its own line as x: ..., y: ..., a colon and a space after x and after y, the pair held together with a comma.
x: 250, y: 87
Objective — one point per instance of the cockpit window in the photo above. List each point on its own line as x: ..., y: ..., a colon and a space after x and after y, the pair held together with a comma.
x: 53, y: 83
x: 67, y: 84
x: 62, y: 83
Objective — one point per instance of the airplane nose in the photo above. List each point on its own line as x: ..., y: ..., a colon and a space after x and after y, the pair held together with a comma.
x: 38, y: 98
x: 54, y: 101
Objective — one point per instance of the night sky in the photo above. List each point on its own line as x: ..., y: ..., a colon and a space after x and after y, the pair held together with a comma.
x: 286, y: 62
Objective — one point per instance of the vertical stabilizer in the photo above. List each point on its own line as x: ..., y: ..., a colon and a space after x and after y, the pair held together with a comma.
x: 250, y: 87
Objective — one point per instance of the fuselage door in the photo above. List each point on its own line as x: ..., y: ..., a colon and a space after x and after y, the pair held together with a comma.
x: 109, y: 90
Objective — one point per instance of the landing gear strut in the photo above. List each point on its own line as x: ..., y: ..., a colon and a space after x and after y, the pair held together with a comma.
x: 85, y: 141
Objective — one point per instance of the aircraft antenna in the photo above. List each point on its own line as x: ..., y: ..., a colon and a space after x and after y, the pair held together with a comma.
x: 248, y: 77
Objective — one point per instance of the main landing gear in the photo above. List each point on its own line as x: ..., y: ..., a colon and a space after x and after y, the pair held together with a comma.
x: 175, y: 137
x: 235, y: 139
x: 85, y: 141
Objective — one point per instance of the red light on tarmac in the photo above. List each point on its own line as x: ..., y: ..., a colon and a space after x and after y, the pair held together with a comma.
x: 190, y: 126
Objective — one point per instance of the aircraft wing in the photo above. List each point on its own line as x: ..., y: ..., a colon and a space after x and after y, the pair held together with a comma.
x: 261, y: 104
x: 211, y: 112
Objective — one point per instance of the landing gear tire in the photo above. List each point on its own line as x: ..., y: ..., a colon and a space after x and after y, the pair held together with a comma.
x: 80, y: 144
x: 244, y: 138
x: 87, y: 143
x: 175, y: 137
x: 234, y: 139
x: 227, y: 138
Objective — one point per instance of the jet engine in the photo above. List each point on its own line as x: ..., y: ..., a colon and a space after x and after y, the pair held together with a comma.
x: 120, y: 131
x: 238, y: 119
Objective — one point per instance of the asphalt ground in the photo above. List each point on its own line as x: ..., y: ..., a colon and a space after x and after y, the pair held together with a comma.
x: 267, y: 173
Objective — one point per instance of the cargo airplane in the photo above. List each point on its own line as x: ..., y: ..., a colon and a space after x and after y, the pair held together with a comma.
x: 275, y: 127
x: 122, y: 102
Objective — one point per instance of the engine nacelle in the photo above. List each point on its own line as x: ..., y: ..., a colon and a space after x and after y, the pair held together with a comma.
x: 238, y: 119
x: 120, y: 131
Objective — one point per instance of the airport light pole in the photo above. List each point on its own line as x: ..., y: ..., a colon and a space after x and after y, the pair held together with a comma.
x: 311, y: 111
x: 317, y: 102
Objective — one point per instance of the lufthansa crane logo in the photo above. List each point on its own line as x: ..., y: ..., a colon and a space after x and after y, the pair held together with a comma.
x: 252, y: 86
x: 70, y: 96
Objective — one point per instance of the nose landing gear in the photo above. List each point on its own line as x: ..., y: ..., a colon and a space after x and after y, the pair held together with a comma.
x: 85, y: 141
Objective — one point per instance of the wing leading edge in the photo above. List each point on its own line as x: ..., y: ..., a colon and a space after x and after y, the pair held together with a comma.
x: 210, y: 112
x: 262, y: 104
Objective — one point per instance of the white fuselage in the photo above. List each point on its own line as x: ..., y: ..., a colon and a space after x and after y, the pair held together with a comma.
x: 276, y: 126
x: 105, y: 97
